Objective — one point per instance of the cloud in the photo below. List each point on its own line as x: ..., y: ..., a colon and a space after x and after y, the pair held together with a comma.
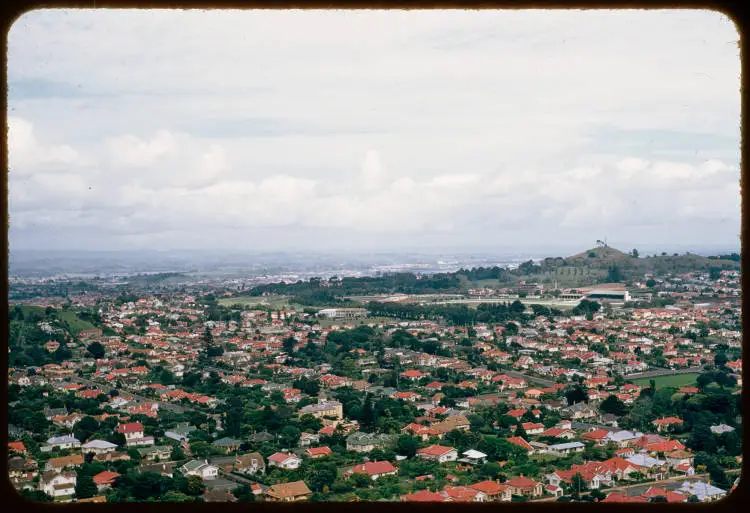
x: 373, y: 128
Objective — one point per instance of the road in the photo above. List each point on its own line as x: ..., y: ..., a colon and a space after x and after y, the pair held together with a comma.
x: 178, y: 408
x: 663, y: 372
x: 532, y: 379
x: 236, y: 478
x: 588, y: 425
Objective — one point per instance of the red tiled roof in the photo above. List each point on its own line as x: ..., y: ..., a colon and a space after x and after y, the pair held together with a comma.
x: 372, y: 468
x: 105, y: 477
x: 130, y: 427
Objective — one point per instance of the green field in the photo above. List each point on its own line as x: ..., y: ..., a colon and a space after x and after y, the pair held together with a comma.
x: 275, y: 302
x: 76, y: 325
x: 675, y: 380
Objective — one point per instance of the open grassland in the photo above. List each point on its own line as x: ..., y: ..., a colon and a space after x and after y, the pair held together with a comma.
x: 275, y: 302
x: 76, y: 325
x: 677, y: 380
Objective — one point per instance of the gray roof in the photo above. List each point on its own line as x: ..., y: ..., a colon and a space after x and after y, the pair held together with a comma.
x: 701, y: 489
x: 227, y: 442
x: 65, y: 439
x: 99, y: 444
x: 566, y: 445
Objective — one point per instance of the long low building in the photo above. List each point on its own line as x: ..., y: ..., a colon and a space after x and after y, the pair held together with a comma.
x: 343, y: 313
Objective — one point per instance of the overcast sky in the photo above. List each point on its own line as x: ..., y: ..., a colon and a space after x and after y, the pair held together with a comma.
x: 373, y: 130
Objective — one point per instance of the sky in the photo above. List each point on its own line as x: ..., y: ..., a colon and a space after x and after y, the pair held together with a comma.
x: 373, y: 130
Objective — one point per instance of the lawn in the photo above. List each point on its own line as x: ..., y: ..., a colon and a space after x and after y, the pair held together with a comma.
x: 674, y: 380
x: 275, y: 302
x: 76, y: 325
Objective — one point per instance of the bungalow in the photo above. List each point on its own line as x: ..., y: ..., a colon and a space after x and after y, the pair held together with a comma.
x: 473, y: 457
x: 203, y: 469
x: 163, y: 469
x: 463, y: 494
x: 63, y: 462
x: 366, y: 442
x: 425, y: 496
x: 420, y: 431
x: 251, y: 463
x: 133, y: 432
x: 155, y: 452
x: 598, y: 436
x: 667, y: 423
x: 458, y: 422
x: 566, y: 448
x: 533, y: 428
x: 318, y: 452
x: 667, y: 494
x: 374, y: 469
x: 98, y: 447
x: 58, y: 484
x: 284, y: 460
x: 678, y: 457
x: 227, y: 444
x: 307, y: 439
x: 704, y: 491
x: 104, y: 480
x: 61, y: 442
x: 181, y: 432
x: 557, y: 432
x: 524, y: 486
x: 438, y: 453
x: 288, y: 492
x: 623, y: 438
x: 517, y: 440
x: 654, y: 469
x: 493, y: 490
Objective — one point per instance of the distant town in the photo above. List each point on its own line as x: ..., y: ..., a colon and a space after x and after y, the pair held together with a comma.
x: 605, y: 376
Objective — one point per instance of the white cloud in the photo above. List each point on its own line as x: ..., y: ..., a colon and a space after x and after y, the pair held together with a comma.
x: 375, y: 125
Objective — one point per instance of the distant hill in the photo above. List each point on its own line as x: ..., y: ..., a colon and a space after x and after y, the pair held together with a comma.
x: 595, y: 255
x: 605, y: 257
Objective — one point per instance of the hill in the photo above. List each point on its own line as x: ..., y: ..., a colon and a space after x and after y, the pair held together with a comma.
x: 600, y: 255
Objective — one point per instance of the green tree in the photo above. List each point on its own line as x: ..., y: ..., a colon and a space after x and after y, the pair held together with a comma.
x: 407, y: 446
x: 195, y: 485
x: 96, y: 349
x: 244, y: 493
x: 321, y: 475
x: 85, y: 486
x: 613, y: 405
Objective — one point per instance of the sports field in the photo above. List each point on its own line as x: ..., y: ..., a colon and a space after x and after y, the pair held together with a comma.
x: 674, y: 380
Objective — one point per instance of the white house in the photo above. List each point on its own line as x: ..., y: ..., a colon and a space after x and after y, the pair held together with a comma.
x: 203, y: 469
x: 58, y: 484
x: 284, y: 460
x: 438, y: 453
x: 62, y: 442
x: 704, y: 491
x: 565, y: 448
x: 473, y: 457
x: 98, y: 447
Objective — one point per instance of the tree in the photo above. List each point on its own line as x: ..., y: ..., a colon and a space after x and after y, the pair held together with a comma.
x: 85, y: 427
x: 407, y: 446
x: 195, y: 485
x: 578, y: 484
x: 96, y: 349
x: 244, y: 493
x: 85, y: 486
x: 720, y: 359
x: 35, y: 495
x: 177, y: 453
x: 614, y: 275
x: 614, y: 406
x: 576, y: 394
x: 322, y: 475
x: 289, y: 344
x: 634, y: 253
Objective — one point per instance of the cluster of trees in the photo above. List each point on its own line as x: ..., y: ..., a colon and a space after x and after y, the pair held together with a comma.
x: 459, y: 315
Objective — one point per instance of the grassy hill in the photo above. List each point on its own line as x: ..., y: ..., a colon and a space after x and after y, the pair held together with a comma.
x: 599, y: 255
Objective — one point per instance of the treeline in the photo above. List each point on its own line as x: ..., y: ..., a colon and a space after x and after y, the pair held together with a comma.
x: 460, y: 315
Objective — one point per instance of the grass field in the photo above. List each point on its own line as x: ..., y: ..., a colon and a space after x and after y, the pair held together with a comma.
x: 76, y: 324
x: 676, y: 380
x: 274, y: 302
